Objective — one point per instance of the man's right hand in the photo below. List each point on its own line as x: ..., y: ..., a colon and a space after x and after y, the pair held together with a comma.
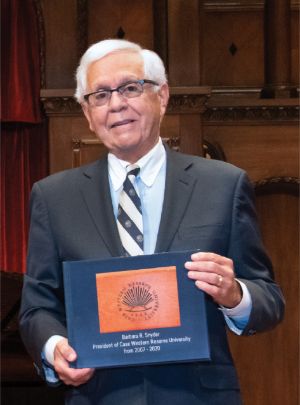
x: 63, y: 354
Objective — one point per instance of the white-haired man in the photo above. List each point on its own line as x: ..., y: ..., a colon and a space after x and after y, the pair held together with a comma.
x: 187, y: 203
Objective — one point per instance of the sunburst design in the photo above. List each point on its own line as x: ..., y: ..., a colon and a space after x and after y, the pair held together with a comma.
x: 137, y: 298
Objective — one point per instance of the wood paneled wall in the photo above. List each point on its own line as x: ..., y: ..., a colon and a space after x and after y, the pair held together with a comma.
x: 233, y: 44
x: 233, y: 91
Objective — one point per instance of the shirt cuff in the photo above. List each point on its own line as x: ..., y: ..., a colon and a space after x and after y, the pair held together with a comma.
x: 50, y: 374
x: 49, y: 347
x: 238, y: 317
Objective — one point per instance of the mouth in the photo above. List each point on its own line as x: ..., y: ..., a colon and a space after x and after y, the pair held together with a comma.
x: 121, y: 123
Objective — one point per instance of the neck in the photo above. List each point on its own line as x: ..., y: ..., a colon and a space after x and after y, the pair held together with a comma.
x: 134, y: 156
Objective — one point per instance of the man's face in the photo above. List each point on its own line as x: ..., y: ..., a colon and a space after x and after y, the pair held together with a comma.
x: 129, y: 128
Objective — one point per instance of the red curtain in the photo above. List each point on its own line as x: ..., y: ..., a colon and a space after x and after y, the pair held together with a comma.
x: 24, y: 145
x: 20, y: 64
x: 23, y: 161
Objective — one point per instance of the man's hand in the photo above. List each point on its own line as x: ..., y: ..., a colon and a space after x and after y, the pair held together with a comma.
x: 214, y: 274
x: 63, y: 354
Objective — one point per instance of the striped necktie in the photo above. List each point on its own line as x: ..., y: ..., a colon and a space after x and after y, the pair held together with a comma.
x: 129, y: 219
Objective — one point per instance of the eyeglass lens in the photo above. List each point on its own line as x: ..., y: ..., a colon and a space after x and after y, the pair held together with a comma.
x: 128, y: 90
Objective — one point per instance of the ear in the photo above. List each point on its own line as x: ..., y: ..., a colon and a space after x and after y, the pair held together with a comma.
x: 164, y: 98
x: 87, y: 114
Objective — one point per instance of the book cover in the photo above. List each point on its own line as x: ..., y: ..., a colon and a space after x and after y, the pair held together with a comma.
x: 138, y: 299
x: 134, y: 311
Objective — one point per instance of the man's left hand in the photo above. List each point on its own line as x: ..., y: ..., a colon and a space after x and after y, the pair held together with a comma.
x: 214, y: 274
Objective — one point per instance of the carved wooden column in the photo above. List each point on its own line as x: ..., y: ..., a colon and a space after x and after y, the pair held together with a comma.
x: 160, y: 29
x: 277, y: 49
x: 184, y: 43
x: 189, y: 104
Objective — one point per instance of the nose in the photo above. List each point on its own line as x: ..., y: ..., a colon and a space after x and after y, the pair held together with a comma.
x: 117, y: 102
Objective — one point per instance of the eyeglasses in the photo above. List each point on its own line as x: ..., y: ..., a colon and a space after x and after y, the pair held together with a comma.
x: 129, y: 90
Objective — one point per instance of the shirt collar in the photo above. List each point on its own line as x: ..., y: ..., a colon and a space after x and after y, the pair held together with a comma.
x: 150, y: 165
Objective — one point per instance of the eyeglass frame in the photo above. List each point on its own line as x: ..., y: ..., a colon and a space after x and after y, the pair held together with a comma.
x: 141, y: 82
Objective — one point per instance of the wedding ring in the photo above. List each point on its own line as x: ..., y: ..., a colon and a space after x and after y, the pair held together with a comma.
x: 220, y: 280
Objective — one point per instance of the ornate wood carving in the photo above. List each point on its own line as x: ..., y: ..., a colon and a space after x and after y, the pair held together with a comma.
x: 189, y: 103
x: 174, y: 143
x: 272, y: 185
x: 178, y: 104
x: 185, y: 103
x: 60, y: 105
x: 223, y: 5
x: 62, y: 102
x: 212, y: 150
x: 252, y: 113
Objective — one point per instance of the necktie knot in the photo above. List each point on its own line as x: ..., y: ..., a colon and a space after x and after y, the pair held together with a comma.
x: 132, y: 170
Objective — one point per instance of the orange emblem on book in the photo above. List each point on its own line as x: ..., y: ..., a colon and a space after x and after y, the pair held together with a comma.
x: 138, y: 299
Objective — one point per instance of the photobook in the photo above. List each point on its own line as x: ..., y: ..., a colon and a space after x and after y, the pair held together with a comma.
x: 137, y: 310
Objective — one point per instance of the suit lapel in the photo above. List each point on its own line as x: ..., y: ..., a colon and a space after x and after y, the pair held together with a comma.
x: 179, y: 187
x: 94, y: 186
x: 95, y: 189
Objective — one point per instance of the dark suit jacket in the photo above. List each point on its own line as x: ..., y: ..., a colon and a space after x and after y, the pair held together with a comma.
x: 208, y: 205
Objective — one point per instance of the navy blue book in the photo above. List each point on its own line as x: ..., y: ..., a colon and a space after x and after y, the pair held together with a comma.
x: 134, y: 311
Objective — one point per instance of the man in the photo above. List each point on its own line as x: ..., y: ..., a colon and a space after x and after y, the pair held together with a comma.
x: 187, y: 203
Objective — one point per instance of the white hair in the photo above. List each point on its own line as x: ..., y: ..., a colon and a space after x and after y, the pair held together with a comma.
x: 153, y: 65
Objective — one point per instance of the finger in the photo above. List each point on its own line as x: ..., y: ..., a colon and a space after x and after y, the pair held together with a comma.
x: 64, y: 350
x: 210, y: 257
x: 228, y: 295
x: 221, y: 265
x: 204, y: 266
x: 209, y: 289
x: 63, y: 354
x: 76, y: 377
x: 69, y: 375
x: 214, y: 279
